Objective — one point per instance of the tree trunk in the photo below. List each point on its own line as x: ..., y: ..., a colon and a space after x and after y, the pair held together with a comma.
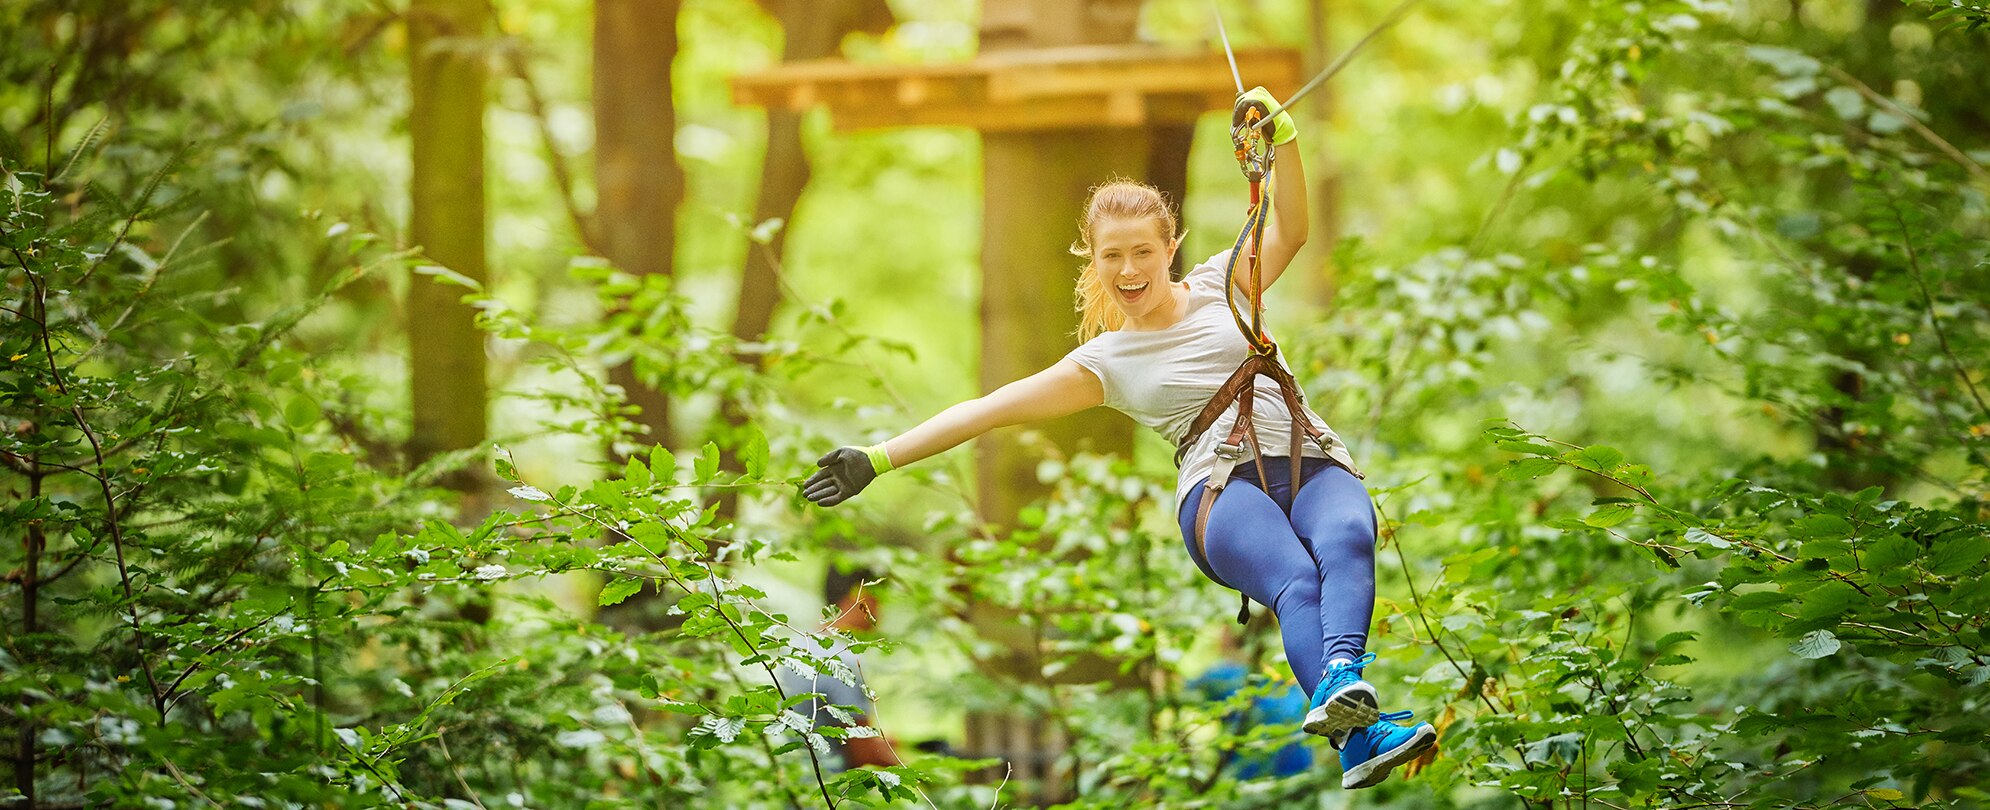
x: 636, y: 174
x: 446, y: 121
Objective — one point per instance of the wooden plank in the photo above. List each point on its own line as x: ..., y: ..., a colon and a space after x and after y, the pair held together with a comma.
x: 1053, y: 88
x: 1071, y: 112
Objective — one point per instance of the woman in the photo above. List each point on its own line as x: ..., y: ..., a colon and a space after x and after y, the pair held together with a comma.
x: 1157, y: 351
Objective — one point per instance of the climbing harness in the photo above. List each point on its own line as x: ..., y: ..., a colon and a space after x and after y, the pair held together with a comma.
x: 1255, y: 155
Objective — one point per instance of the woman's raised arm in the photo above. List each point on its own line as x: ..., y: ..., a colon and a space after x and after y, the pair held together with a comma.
x: 1286, y: 232
x: 1064, y: 388
x: 1289, y: 216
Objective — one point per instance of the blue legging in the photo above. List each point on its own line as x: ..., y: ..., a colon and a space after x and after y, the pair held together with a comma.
x: 1312, y: 559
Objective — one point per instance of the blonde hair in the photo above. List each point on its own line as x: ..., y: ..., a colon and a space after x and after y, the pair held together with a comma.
x: 1117, y: 199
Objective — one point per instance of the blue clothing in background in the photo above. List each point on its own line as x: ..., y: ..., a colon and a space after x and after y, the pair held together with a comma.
x: 1282, y: 706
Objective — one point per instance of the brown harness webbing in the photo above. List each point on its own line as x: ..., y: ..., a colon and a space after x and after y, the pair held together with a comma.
x: 1241, y: 390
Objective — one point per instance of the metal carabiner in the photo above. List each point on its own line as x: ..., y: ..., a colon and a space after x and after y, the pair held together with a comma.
x: 1247, y: 136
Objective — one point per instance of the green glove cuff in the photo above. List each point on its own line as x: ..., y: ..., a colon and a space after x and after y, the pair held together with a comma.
x: 1283, y: 130
x: 880, y: 462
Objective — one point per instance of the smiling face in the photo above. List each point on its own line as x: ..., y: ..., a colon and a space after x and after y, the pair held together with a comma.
x: 1131, y: 255
x: 1128, y: 239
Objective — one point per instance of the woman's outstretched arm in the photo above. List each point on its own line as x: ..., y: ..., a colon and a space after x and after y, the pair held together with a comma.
x: 1063, y: 389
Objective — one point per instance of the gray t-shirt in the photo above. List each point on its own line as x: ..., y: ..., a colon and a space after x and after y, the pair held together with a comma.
x: 1163, y: 379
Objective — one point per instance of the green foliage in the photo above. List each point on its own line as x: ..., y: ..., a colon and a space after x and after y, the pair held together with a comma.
x: 1678, y: 432
x: 178, y: 480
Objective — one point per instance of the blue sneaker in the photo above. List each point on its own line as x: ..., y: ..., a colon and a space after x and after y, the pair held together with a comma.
x: 1372, y: 752
x: 1343, y: 702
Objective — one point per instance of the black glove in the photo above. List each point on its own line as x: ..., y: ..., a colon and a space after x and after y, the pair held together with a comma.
x: 845, y: 472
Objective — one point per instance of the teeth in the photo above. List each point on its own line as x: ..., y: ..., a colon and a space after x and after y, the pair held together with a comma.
x: 1133, y: 287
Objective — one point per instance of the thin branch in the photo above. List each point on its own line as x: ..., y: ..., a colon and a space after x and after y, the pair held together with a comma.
x: 1422, y: 616
x: 182, y: 779
x: 137, y: 210
x: 1961, y: 158
x: 195, y: 666
x: 150, y: 280
x: 1928, y: 301
x: 766, y: 745
x: 364, y: 763
x: 451, y: 762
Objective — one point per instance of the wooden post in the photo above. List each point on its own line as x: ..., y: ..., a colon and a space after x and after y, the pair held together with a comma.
x: 1322, y: 168
x: 1036, y: 185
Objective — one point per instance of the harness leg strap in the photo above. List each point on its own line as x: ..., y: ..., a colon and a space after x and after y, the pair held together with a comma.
x: 1227, y: 456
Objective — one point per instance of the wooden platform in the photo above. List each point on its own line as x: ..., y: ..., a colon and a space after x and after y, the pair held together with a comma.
x: 1024, y: 90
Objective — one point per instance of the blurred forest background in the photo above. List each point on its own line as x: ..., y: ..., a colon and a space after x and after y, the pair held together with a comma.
x: 404, y: 403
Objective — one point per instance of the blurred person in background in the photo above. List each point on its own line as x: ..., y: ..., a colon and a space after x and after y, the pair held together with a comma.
x: 856, y: 614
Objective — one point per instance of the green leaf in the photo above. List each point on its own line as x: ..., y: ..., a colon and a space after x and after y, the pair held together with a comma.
x: 607, y: 494
x: 680, y: 707
x: 708, y: 463
x: 618, y: 590
x: 301, y: 412
x: 1957, y: 555
x: 447, y: 276
x: 1756, y: 725
x: 1528, y: 468
x: 1828, y: 600
x: 1670, y: 640
x: 1784, y: 60
x: 754, y: 454
x: 663, y: 466
x: 1706, y: 538
x: 636, y: 474
x: 1820, y: 527
x: 722, y: 729
x: 1846, y: 102
x: 1816, y: 644
x: 1600, y: 459
x: 1828, y: 548
x: 1529, y: 449
x: 1891, y: 551
x: 1610, y: 515
x: 647, y: 686
x: 1637, y: 475
x: 1759, y: 600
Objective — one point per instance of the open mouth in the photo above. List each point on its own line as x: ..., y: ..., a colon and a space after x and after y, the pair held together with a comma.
x: 1132, y: 291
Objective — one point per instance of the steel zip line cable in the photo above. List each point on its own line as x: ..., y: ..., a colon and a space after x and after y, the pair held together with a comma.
x: 1227, y: 53
x: 1395, y: 15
